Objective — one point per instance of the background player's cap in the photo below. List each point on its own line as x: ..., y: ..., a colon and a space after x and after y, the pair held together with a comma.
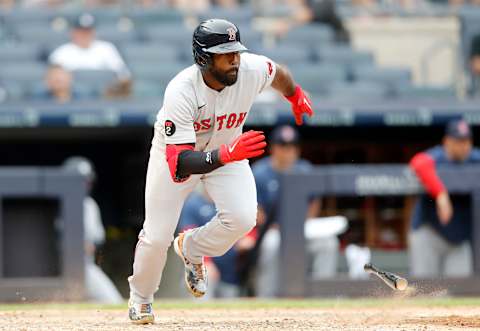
x: 81, y: 165
x: 284, y: 135
x: 458, y: 129
x: 84, y: 21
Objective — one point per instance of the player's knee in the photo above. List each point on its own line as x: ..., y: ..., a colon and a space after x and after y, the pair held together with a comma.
x: 245, y: 220
x: 157, y: 242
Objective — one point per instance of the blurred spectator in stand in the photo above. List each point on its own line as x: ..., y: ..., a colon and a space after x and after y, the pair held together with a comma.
x: 440, y: 237
x: 98, y: 286
x: 323, y: 11
x: 85, y: 52
x: 197, y: 6
x: 475, y: 65
x: 58, y: 87
x: 42, y: 3
x: 202, y: 6
x: 222, y: 272
x: 284, y: 156
x: 7, y: 4
x: 151, y: 3
x: 300, y: 12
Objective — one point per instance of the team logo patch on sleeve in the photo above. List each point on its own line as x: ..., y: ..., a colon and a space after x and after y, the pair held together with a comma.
x: 169, y: 128
x: 270, y: 68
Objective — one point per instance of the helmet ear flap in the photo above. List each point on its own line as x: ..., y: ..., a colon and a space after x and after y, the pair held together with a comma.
x: 203, y: 59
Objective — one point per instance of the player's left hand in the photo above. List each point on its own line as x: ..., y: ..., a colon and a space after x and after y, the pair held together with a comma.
x: 444, y: 208
x: 301, y: 104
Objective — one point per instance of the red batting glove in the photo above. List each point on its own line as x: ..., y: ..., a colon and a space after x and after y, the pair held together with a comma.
x: 301, y: 104
x: 250, y: 144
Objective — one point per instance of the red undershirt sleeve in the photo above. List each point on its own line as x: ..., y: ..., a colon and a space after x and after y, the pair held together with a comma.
x: 172, y: 153
x: 424, y: 167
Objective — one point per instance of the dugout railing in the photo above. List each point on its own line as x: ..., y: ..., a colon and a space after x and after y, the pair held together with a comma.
x: 41, y: 234
x: 362, y: 181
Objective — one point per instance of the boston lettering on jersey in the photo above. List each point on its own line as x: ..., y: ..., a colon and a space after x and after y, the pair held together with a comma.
x: 233, y: 120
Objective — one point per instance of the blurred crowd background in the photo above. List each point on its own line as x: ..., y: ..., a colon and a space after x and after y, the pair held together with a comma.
x: 109, y: 56
x: 330, y: 45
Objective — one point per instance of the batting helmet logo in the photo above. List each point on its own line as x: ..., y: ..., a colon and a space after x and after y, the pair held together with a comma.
x: 232, y: 34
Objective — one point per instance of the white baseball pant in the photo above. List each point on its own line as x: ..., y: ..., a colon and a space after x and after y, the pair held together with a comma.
x: 231, y: 187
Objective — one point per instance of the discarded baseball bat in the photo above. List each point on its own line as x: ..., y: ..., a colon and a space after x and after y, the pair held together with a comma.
x: 394, y: 281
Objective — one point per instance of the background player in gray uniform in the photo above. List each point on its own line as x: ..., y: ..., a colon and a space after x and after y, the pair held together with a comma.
x: 198, y: 137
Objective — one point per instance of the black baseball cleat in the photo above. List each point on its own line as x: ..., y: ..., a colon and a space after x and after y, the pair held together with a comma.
x: 140, y: 313
x: 195, y: 274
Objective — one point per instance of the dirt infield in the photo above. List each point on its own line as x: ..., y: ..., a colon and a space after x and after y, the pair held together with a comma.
x: 336, y: 316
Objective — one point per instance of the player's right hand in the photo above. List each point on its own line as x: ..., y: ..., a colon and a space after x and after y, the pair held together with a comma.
x: 301, y: 104
x: 444, y: 208
x: 249, y: 144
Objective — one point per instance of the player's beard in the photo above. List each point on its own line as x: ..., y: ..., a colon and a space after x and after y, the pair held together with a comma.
x: 227, y: 78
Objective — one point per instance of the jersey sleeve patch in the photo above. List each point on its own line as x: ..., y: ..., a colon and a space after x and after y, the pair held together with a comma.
x: 270, y: 68
x: 169, y: 128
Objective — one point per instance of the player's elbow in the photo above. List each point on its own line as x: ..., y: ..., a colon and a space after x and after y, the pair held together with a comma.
x: 421, y: 161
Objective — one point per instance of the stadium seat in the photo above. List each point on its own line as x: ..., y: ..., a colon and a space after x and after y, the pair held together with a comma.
x: 96, y: 80
x: 81, y: 91
x: 312, y: 35
x: 115, y: 35
x: 287, y: 54
x: 161, y: 73
x: 148, y: 89
x: 424, y: 92
x: 357, y: 91
x: 39, y: 33
x: 23, y: 72
x: 148, y: 16
x: 107, y: 15
x: 18, y: 16
x: 149, y: 52
x: 171, y: 34
x: 250, y: 38
x: 389, y: 76
x: 238, y: 16
x: 343, y: 55
x: 19, y: 52
x: 13, y: 91
x: 316, y: 78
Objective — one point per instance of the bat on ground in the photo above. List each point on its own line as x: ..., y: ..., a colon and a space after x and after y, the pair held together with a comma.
x: 394, y: 281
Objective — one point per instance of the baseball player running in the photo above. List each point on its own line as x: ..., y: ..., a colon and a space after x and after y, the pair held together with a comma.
x: 198, y: 137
